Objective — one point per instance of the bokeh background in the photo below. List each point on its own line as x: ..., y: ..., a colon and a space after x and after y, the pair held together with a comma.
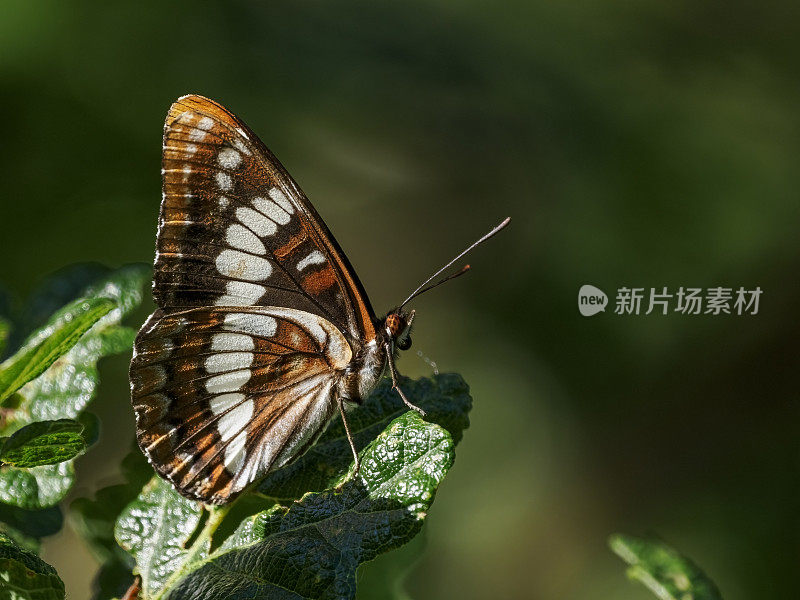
x: 640, y: 144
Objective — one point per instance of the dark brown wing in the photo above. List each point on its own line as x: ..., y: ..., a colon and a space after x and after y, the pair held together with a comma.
x: 259, y: 312
x: 235, y: 229
x: 224, y: 395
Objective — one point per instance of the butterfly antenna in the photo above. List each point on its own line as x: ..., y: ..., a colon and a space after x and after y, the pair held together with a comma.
x: 424, y: 287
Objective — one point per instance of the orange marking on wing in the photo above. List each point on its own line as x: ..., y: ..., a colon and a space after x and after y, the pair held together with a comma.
x: 177, y: 151
x: 176, y: 188
x: 290, y: 246
x: 291, y: 336
x: 292, y: 367
x: 318, y: 282
x: 177, y: 216
x: 217, y: 481
x: 362, y: 303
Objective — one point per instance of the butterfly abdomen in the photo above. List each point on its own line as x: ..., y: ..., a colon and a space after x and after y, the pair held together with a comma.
x: 363, y: 373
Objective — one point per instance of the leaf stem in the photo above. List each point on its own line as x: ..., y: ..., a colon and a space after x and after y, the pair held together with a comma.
x: 201, y: 545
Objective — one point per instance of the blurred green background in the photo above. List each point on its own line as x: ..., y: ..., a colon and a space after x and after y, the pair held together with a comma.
x: 640, y: 144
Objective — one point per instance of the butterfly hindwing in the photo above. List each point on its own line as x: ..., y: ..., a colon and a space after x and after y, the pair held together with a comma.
x: 223, y: 395
x: 235, y: 229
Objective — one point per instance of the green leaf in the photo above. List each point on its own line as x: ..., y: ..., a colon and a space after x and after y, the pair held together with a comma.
x: 155, y: 529
x: 445, y: 399
x: 118, y: 339
x: 310, y: 549
x: 5, y: 330
x: 13, y: 402
x: 38, y: 487
x: 662, y: 569
x: 32, y: 523
x: 43, y: 443
x: 67, y: 386
x: 54, y: 340
x: 25, y: 576
x: 94, y: 520
x: 313, y: 548
x: 91, y: 427
x: 27, y: 527
x: 56, y: 290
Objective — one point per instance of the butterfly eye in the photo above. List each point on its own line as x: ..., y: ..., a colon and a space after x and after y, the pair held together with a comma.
x: 395, y: 324
x: 405, y: 343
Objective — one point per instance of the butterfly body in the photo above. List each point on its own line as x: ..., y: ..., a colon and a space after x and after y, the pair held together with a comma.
x: 263, y: 329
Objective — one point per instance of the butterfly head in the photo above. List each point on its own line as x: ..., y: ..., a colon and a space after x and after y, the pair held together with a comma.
x: 397, y: 326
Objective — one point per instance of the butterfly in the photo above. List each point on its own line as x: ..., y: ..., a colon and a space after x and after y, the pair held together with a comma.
x: 262, y: 330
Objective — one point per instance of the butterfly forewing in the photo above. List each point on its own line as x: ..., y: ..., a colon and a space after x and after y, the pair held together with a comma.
x: 259, y: 312
x: 235, y: 229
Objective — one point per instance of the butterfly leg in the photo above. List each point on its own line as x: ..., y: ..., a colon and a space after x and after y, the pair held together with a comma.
x: 396, y: 385
x: 356, y: 458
